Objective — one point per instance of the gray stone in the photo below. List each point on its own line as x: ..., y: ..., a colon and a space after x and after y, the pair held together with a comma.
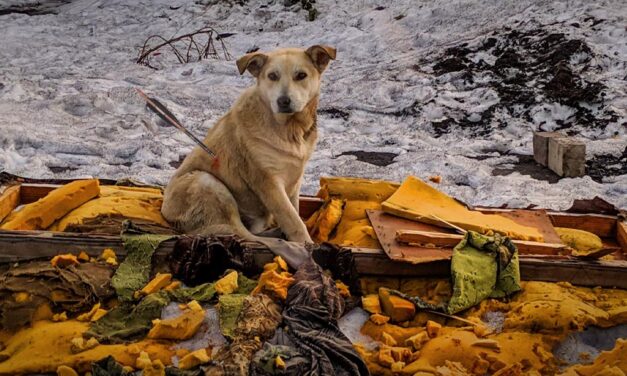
x: 541, y: 146
x: 567, y: 157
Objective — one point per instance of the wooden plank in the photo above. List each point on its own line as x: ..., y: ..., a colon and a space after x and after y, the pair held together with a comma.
x: 621, y: 235
x: 26, y: 245
x: 600, y: 224
x: 386, y: 225
x: 451, y: 240
x: 9, y: 200
x: 308, y: 205
x: 578, y: 272
x: 33, y: 192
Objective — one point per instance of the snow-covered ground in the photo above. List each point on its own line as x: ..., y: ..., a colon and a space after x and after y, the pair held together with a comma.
x: 68, y: 108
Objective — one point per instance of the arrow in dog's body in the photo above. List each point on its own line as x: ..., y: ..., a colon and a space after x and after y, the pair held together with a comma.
x: 165, y: 115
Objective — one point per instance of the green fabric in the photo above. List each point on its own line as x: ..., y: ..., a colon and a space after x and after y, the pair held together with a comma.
x: 245, y: 285
x: 482, y: 267
x: 128, y: 321
x: 134, y: 272
x: 229, y: 307
x: 108, y: 367
x: 200, y: 293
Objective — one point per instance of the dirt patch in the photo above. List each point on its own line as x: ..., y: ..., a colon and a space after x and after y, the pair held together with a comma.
x: 34, y: 8
x: 607, y: 165
x: 525, y: 69
x: 526, y: 165
x: 376, y: 158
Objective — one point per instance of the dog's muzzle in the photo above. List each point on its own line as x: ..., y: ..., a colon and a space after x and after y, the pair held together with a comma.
x: 285, y: 104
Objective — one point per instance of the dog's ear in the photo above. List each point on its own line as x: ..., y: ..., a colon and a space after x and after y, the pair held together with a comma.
x: 253, y: 62
x: 321, y: 55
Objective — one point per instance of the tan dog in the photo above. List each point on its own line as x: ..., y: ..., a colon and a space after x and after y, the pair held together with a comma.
x: 262, y: 145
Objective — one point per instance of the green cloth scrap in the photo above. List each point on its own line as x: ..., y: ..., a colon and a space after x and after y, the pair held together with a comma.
x: 200, y: 293
x: 134, y: 272
x: 245, y: 285
x: 482, y: 267
x: 127, y: 321
x: 229, y: 308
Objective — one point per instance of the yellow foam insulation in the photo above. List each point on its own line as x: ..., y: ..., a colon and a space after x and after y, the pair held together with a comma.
x: 179, y: 328
x: 194, y: 359
x: 581, y: 241
x: 66, y: 371
x: 396, y: 308
x: 418, y: 201
x: 371, y: 303
x: 128, y: 202
x: 64, y: 260
x: 29, y: 350
x: 275, y: 279
x: 160, y: 281
x: 354, y: 228
x: 323, y: 222
x: 535, y: 321
x: 227, y: 284
x: 44, y: 212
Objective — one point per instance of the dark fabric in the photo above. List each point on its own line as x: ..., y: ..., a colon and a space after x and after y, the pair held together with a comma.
x: 313, y: 307
x: 196, y: 260
x: 76, y: 289
x: 108, y: 367
x: 256, y: 323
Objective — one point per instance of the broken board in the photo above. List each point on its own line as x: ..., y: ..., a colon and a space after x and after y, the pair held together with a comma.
x: 387, y: 226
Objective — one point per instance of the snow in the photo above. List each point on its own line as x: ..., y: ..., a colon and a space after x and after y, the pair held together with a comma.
x: 68, y: 106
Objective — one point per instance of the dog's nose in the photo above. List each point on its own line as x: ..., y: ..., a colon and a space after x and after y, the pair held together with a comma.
x: 284, y: 102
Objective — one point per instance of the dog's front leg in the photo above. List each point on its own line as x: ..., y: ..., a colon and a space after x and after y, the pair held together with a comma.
x: 295, y: 196
x: 277, y: 202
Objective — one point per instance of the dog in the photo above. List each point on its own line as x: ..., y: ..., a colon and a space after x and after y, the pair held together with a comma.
x: 262, y: 145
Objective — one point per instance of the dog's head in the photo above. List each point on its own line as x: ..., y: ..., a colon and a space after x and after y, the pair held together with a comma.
x: 288, y: 78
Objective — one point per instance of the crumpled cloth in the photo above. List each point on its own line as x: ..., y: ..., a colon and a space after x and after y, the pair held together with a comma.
x: 74, y: 289
x: 483, y: 267
x: 197, y: 259
x: 313, y: 307
x: 256, y: 323
x: 128, y: 321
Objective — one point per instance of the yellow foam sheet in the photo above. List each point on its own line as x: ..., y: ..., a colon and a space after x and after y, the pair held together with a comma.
x: 418, y: 201
x: 354, y: 229
x: 128, y: 202
x: 56, y: 204
x: 47, y: 345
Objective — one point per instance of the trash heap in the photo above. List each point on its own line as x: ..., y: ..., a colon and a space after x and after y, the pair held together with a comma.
x: 204, y: 310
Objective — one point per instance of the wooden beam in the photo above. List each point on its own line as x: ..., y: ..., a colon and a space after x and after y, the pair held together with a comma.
x: 621, y: 235
x: 600, y: 224
x: 9, y: 200
x: 578, y: 272
x: 28, y: 245
x: 451, y: 240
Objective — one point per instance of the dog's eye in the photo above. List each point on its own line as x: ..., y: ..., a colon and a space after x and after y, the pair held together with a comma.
x: 273, y: 76
x: 300, y: 76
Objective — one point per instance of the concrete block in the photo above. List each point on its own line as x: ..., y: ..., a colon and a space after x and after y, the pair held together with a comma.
x: 567, y: 157
x: 541, y: 146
